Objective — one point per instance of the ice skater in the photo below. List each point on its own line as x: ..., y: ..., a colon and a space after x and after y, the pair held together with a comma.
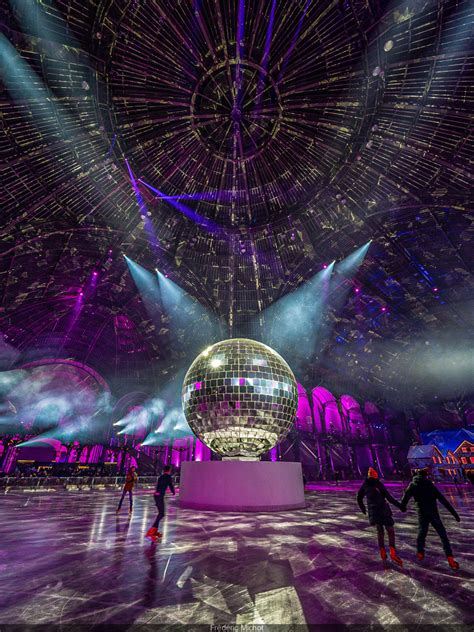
x: 130, y: 482
x: 164, y: 481
x: 426, y: 496
x: 380, y: 514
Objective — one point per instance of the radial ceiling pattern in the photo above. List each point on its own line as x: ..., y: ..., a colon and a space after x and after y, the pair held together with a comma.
x: 257, y: 108
x: 277, y: 136
x: 253, y: 105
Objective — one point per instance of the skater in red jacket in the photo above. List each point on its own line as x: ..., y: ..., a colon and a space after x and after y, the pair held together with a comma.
x: 130, y: 482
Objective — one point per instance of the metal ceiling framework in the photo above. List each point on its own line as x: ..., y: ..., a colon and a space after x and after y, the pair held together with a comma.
x: 353, y: 123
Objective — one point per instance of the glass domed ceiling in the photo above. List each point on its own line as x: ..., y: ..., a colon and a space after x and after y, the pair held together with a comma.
x: 251, y: 107
x: 89, y: 83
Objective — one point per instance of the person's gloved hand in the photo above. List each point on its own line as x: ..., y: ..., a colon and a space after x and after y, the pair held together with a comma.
x: 457, y: 518
x: 364, y: 511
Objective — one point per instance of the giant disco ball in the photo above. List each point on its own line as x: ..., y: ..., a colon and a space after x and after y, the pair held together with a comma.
x: 240, y: 398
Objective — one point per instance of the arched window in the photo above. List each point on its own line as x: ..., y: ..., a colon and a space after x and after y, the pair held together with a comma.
x: 354, y: 416
x: 326, y: 411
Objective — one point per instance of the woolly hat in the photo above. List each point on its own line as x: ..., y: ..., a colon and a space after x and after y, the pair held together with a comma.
x: 372, y: 473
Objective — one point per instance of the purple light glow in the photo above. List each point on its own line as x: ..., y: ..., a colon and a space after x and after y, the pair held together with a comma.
x: 212, y: 195
x: 198, y: 451
x: 185, y: 210
x: 266, y: 55
x: 201, y: 452
x: 352, y: 410
x: 327, y: 417
x: 238, y: 51
x: 240, y: 26
x: 294, y: 41
x: 143, y: 209
x: 268, y: 39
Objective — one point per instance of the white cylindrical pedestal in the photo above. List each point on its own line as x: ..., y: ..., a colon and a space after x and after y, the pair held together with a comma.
x: 241, y: 485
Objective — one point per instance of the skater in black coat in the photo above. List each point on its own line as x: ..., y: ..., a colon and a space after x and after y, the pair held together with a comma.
x: 380, y: 514
x: 426, y: 496
x: 164, y: 482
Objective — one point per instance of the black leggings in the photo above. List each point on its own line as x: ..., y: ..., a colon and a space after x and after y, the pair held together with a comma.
x: 160, y: 505
x: 380, y: 536
x: 423, y: 526
x: 130, y: 496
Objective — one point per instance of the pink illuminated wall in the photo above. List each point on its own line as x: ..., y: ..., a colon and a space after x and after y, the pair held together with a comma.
x: 274, y: 454
x: 95, y: 453
x: 326, y: 412
x: 181, y: 451
x: 354, y: 416
x: 74, y: 453
x: 83, y: 458
x: 201, y: 452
